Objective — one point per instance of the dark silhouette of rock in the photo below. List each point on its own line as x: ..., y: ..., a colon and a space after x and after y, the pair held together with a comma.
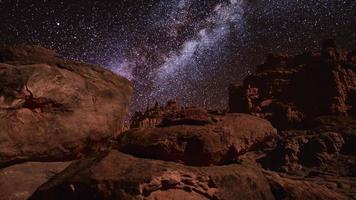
x: 120, y: 176
x: 53, y: 109
x: 220, y: 142
x: 290, y: 91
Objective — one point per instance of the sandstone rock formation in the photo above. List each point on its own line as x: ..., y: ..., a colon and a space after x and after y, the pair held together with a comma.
x: 59, y: 110
x: 328, y: 147
x: 310, y: 99
x: 19, y: 182
x: 323, y: 155
x: 292, y: 188
x: 292, y: 90
x: 170, y: 114
x: 305, y: 148
x: 120, y: 176
x: 53, y: 109
x: 219, y: 142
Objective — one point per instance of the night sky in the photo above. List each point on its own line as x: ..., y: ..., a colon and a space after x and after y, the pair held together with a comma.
x: 188, y: 50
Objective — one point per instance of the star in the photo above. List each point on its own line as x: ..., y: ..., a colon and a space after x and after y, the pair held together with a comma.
x: 188, y: 50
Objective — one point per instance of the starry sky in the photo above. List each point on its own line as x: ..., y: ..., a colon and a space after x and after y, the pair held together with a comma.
x: 187, y: 50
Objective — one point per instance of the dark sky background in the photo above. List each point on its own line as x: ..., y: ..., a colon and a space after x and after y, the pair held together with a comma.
x: 188, y: 50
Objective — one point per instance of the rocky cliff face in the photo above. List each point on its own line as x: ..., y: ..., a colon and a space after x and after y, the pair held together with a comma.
x: 290, y: 91
x: 53, y: 109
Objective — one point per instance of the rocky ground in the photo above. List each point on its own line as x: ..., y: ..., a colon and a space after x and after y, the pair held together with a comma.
x: 290, y: 133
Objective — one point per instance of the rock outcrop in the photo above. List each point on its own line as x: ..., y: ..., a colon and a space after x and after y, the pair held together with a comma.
x: 310, y: 99
x: 19, y: 182
x: 294, y: 188
x: 323, y: 155
x: 171, y: 114
x: 120, y: 176
x: 326, y: 148
x: 304, y: 148
x: 53, y: 109
x: 290, y: 91
x: 221, y: 141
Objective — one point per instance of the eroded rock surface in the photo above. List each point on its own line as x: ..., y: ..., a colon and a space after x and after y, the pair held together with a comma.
x: 20, y: 181
x: 171, y: 114
x: 310, y: 99
x: 120, y: 176
x: 299, y: 189
x: 52, y: 109
x: 173, y: 152
x: 290, y: 91
x: 327, y: 148
x: 323, y: 155
x: 220, y: 141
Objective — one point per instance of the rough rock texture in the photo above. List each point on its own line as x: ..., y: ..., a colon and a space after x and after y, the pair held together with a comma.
x: 171, y: 114
x: 305, y: 149
x: 311, y: 98
x: 52, y: 109
x: 219, y: 142
x: 324, y: 155
x: 19, y: 182
x: 122, y: 177
x: 289, y: 188
x: 329, y: 147
x: 292, y: 90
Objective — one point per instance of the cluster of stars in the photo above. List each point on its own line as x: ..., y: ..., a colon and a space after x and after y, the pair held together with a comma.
x: 188, y: 50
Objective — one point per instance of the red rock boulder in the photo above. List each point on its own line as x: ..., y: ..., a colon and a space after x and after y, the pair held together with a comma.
x: 123, y: 177
x: 219, y: 142
x: 52, y: 109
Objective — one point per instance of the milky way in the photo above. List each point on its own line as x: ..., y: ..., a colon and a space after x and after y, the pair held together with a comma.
x: 188, y: 50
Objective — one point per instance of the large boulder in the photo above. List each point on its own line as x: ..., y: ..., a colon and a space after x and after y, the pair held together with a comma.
x: 52, y: 109
x: 123, y: 177
x: 219, y: 142
x: 19, y: 182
